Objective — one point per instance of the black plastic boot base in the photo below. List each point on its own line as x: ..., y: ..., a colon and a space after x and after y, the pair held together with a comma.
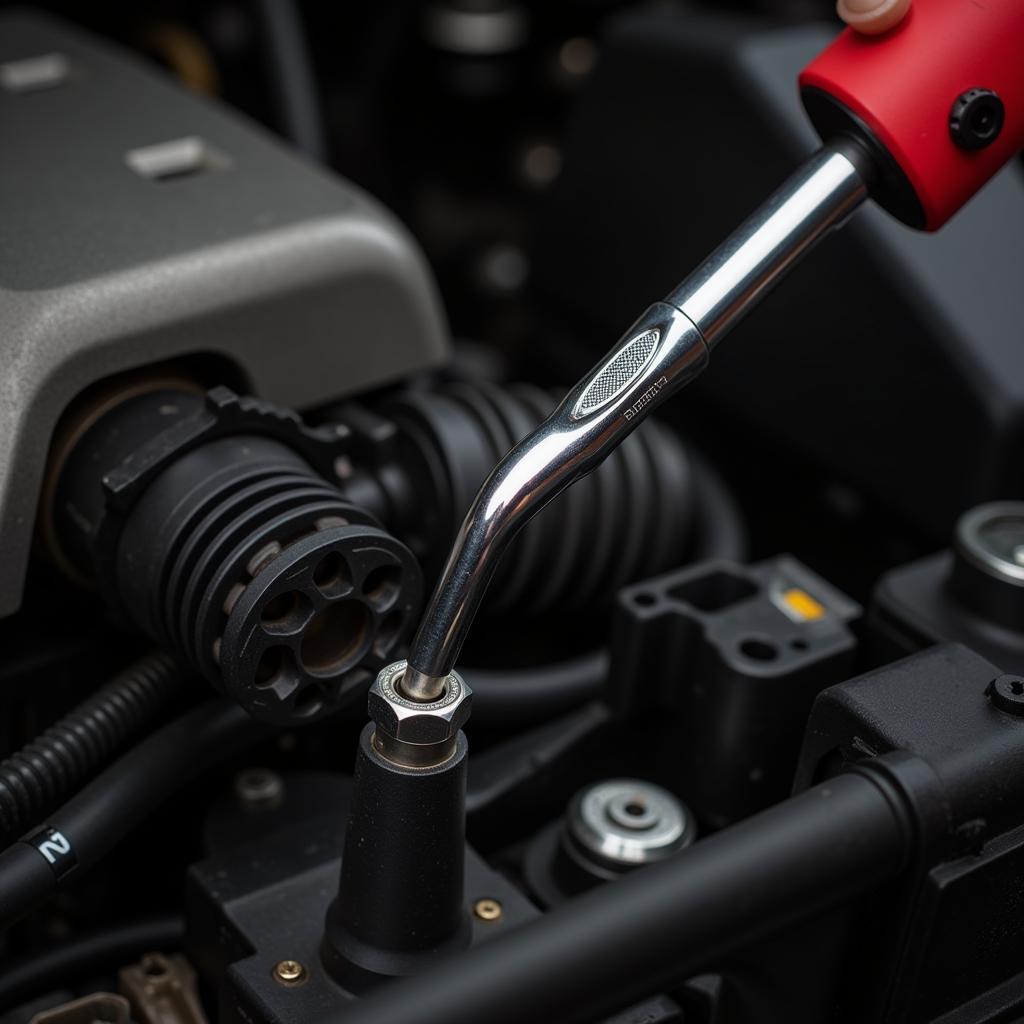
x: 358, y: 967
x: 262, y: 901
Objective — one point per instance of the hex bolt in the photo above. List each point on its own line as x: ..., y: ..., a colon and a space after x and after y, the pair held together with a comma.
x: 290, y: 972
x: 413, y: 733
x: 1007, y: 694
x: 488, y: 909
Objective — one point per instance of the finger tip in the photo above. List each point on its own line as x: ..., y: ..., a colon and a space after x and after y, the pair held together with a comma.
x: 872, y: 17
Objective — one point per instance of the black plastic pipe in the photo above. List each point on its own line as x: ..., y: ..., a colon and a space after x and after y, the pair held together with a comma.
x: 516, y: 697
x: 291, y: 76
x: 670, y: 921
x: 83, y: 957
x: 89, y: 825
x: 721, y: 530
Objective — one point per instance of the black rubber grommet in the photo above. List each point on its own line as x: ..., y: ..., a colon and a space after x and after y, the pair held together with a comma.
x: 1007, y: 694
x: 976, y: 118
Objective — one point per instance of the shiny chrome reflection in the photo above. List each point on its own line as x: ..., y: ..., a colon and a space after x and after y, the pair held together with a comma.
x: 814, y: 200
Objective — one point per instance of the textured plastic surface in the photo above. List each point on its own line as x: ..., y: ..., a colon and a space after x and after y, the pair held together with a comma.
x: 958, y: 939
x: 726, y: 652
x: 125, y: 251
x: 903, y: 84
x: 263, y: 895
x: 913, y: 607
x: 400, y: 904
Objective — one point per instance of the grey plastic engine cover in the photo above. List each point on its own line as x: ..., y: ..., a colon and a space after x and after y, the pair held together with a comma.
x: 142, y: 223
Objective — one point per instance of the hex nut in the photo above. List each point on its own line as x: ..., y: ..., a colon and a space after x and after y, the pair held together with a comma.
x: 413, y: 722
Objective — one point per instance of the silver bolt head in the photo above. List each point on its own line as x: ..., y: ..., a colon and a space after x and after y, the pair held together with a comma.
x: 414, y: 722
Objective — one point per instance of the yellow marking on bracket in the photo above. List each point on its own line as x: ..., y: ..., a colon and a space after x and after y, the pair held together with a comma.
x: 802, y: 605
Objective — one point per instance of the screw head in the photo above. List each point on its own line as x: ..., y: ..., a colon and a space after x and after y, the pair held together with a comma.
x: 488, y: 909
x: 290, y: 972
x: 976, y: 118
x: 1007, y: 694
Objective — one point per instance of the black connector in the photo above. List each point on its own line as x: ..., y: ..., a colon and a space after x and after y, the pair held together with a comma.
x: 216, y: 526
x: 729, y: 658
x: 400, y: 904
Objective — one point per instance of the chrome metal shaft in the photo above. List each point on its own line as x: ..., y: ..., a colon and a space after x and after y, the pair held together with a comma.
x: 665, y: 349
x: 816, y: 198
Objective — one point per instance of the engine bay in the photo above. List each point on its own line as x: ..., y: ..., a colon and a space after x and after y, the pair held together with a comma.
x: 380, y: 646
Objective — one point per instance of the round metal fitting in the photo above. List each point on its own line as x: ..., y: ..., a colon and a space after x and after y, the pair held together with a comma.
x: 1007, y: 694
x: 991, y: 537
x: 625, y: 823
x: 412, y: 732
x: 976, y: 118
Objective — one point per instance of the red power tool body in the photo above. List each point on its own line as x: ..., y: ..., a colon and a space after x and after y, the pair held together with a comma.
x: 939, y: 99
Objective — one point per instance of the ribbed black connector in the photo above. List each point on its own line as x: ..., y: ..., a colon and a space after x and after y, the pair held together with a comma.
x: 256, y: 569
x: 42, y: 774
x: 214, y: 525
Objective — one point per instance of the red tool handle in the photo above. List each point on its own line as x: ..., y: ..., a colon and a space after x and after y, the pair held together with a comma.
x: 921, y: 97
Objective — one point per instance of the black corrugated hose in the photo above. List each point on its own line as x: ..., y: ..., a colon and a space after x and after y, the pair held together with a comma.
x: 58, y: 763
x: 81, y: 832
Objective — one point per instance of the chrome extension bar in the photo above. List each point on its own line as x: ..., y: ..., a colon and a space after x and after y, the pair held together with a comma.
x: 664, y: 350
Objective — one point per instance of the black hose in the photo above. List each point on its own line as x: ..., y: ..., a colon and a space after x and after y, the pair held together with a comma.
x: 87, y: 955
x: 721, y: 530
x: 514, y: 698
x: 291, y: 76
x: 89, y: 825
x: 529, y: 755
x: 49, y: 769
x: 659, y: 926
